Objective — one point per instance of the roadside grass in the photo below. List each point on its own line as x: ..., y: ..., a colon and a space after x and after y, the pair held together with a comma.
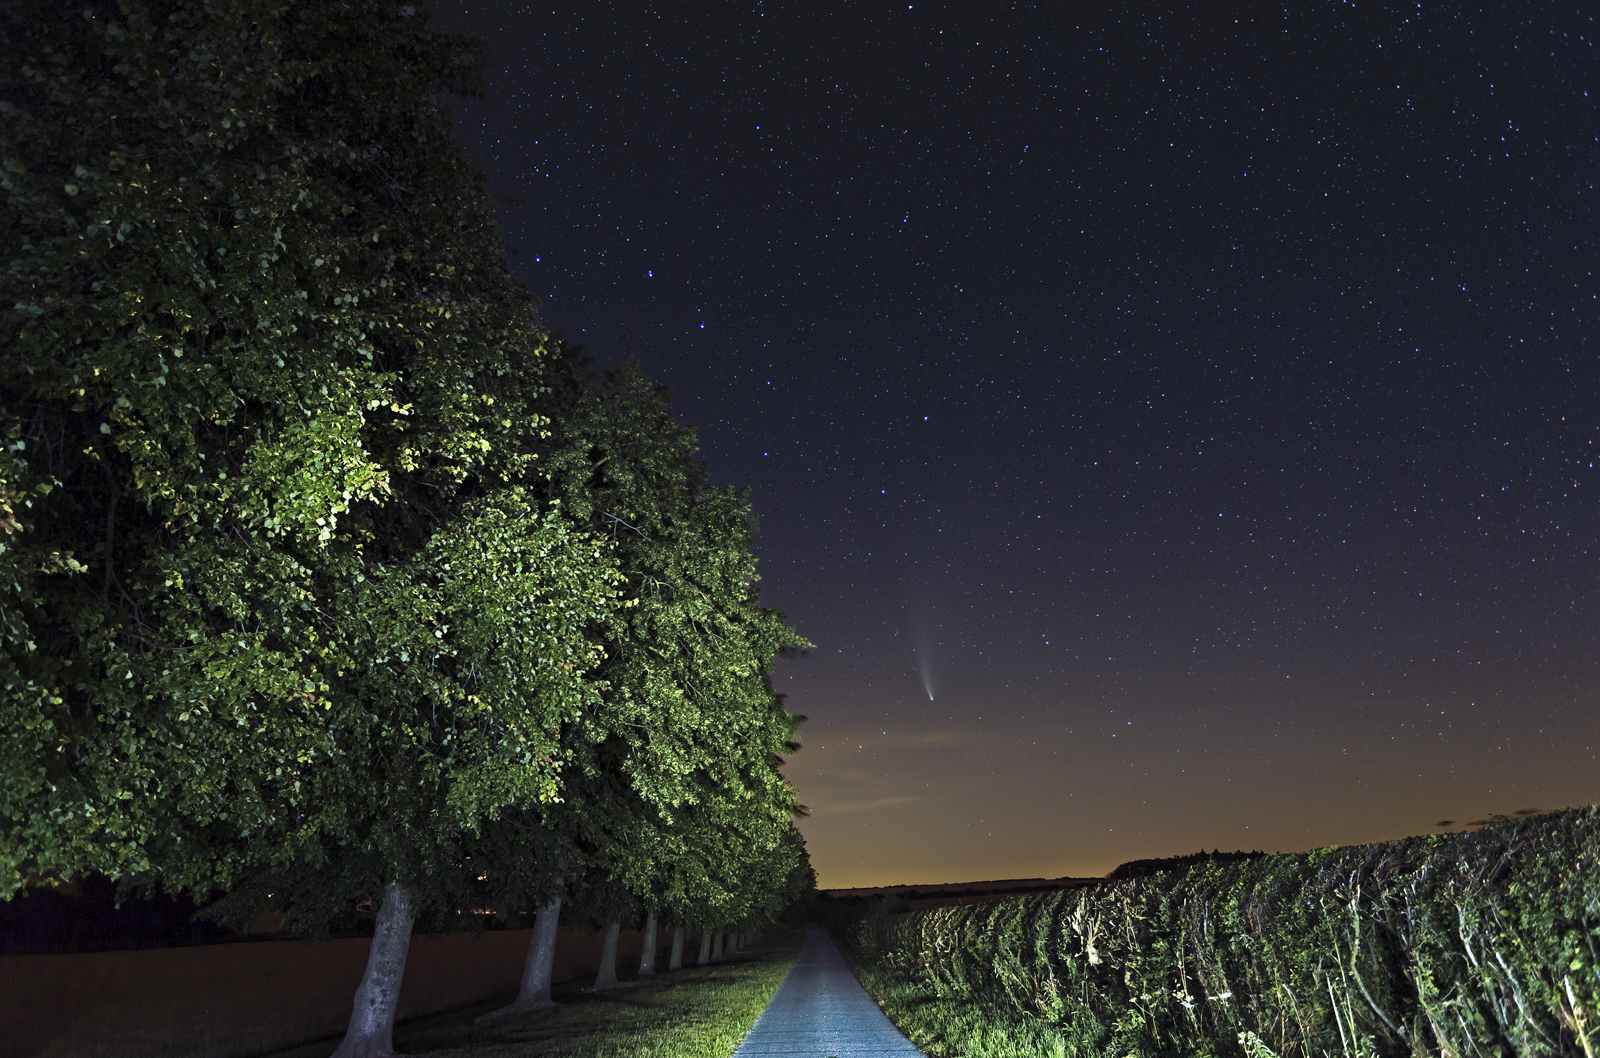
x: 947, y: 1027
x: 691, y: 1013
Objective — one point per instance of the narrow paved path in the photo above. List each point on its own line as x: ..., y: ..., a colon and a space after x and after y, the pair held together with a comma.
x: 821, y: 1011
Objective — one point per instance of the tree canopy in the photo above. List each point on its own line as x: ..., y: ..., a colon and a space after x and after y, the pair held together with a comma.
x: 694, y: 726
x: 323, y: 567
x: 269, y: 391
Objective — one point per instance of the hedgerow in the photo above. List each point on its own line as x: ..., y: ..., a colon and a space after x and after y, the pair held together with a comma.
x: 1462, y: 945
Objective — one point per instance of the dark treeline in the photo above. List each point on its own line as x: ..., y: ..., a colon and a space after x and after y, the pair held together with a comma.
x: 86, y: 914
x: 1145, y: 868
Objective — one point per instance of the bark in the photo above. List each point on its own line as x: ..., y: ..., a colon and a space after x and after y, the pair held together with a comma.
x: 647, y: 957
x: 606, y: 979
x: 705, y: 947
x: 534, y: 994
x: 718, y: 946
x: 733, y: 943
x: 676, y: 960
x: 371, y: 1031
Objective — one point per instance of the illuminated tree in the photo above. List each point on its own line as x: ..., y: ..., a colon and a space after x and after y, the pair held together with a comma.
x: 673, y: 793
x: 283, y: 612
x: 304, y: 592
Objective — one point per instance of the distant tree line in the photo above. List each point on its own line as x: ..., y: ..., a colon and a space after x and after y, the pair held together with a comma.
x: 326, y: 574
x: 1146, y: 868
x: 89, y: 914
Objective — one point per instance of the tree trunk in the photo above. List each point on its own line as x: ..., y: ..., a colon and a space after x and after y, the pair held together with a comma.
x: 534, y: 994
x: 606, y: 979
x: 371, y: 1031
x: 676, y: 961
x: 718, y: 946
x: 733, y: 943
x: 705, y: 947
x: 647, y: 957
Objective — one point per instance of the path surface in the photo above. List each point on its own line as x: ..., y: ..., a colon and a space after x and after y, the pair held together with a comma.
x: 821, y: 1011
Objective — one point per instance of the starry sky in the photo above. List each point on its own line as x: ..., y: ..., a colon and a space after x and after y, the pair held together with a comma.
x: 1174, y: 429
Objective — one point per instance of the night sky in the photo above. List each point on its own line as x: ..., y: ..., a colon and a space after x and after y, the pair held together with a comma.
x: 1175, y: 430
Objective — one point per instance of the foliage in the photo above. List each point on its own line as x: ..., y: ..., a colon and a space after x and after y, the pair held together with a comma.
x: 1475, y: 944
x: 280, y: 608
x: 675, y: 796
x: 1141, y: 868
x: 309, y: 579
x: 85, y: 916
x: 785, y: 881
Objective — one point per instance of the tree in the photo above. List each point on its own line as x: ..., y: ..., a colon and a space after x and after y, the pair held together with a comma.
x: 306, y: 596
x: 285, y: 611
x: 673, y: 793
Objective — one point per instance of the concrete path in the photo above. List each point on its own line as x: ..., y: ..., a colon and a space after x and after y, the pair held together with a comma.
x: 821, y: 1011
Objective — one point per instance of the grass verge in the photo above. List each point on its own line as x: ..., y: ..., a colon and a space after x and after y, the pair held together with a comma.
x: 951, y: 1027
x: 690, y: 1013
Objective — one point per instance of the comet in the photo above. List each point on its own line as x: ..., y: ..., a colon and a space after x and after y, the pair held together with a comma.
x: 924, y: 651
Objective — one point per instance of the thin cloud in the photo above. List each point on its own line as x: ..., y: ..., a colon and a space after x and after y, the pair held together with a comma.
x: 844, y: 807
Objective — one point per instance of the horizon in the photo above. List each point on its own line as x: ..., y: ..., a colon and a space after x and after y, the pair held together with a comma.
x: 1458, y: 828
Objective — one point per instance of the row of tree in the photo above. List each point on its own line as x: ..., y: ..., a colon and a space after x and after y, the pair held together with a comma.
x: 327, y: 575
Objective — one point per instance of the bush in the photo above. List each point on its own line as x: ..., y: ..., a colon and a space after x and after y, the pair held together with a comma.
x: 1474, y: 944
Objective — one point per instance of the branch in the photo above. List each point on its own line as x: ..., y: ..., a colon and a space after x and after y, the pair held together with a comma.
x: 111, y: 528
x: 615, y: 521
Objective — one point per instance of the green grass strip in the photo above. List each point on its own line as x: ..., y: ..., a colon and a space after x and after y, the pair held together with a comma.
x: 949, y: 1026
x: 690, y: 1013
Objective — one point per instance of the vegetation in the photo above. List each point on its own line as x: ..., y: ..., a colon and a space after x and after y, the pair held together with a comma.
x: 268, y: 389
x: 326, y: 575
x: 670, y: 812
x: 1474, y: 944
x: 1143, y: 868
x: 699, y: 1012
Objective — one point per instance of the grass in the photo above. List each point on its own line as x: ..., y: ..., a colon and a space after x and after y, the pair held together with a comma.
x: 690, y: 1013
x: 954, y: 1027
